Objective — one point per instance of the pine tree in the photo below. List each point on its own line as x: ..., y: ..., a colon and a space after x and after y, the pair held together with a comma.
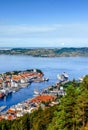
x: 65, y: 117
x: 83, y: 103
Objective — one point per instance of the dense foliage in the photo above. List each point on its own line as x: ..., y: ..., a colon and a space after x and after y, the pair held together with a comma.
x: 70, y: 114
x: 38, y: 120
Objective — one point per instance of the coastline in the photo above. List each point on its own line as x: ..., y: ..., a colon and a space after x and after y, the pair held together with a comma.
x: 48, y: 96
x: 49, y: 69
x: 47, y: 52
x: 13, y: 81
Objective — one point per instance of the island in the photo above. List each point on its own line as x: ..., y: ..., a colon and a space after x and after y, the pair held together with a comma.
x: 46, y: 52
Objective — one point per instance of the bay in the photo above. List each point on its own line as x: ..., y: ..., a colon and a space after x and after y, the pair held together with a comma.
x: 74, y: 66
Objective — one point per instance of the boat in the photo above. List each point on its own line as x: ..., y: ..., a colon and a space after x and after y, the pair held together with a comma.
x: 81, y: 78
x: 10, y: 92
x: 13, y: 91
x: 5, y: 92
x: 1, y: 95
x: 46, y: 79
x: 23, y: 85
x: 2, y: 108
x: 63, y: 77
x: 36, y: 92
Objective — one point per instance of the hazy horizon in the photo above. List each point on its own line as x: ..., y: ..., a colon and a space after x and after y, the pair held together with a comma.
x: 44, y: 23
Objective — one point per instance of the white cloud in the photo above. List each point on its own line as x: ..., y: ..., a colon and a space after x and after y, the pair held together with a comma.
x: 44, y: 35
x: 19, y: 29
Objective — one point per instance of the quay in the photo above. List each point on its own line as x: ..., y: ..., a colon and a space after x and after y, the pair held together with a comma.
x: 13, y: 81
x: 47, y: 98
x: 27, y: 106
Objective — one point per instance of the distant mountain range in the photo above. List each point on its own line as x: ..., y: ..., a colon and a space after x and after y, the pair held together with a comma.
x: 47, y: 52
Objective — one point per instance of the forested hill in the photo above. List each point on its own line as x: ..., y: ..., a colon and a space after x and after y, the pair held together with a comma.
x: 46, y: 52
x: 71, y: 112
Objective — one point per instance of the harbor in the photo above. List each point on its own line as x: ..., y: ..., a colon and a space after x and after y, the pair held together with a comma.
x: 28, y: 106
x: 46, y: 98
x: 46, y: 95
x: 11, y: 82
x: 46, y: 65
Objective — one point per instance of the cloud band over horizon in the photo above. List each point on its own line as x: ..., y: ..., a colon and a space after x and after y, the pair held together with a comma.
x: 52, y: 35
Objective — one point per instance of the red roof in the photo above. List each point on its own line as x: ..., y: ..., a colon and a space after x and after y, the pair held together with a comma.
x: 44, y: 98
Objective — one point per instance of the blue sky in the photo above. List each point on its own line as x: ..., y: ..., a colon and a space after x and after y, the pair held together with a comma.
x: 43, y: 23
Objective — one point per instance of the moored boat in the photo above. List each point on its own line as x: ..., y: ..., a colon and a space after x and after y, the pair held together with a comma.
x: 36, y: 92
x: 1, y: 95
x: 81, y: 78
x: 63, y: 77
x: 2, y: 108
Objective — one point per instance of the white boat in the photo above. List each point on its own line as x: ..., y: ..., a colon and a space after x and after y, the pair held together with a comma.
x: 2, y: 108
x: 23, y: 85
x: 14, y: 91
x: 36, y: 92
x: 63, y: 77
x: 46, y: 79
x: 81, y: 78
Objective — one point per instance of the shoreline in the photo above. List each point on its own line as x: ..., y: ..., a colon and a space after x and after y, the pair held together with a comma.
x: 44, y: 56
x: 48, y: 52
x: 13, y: 81
x: 48, y: 95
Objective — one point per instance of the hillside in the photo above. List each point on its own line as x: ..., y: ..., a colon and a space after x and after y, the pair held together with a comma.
x: 71, y: 112
x: 46, y: 52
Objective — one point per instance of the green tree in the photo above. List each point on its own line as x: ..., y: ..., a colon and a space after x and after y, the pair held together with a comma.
x: 65, y: 117
x: 5, y: 125
x: 24, y: 122
x: 40, y: 119
x: 15, y: 125
x: 83, y: 103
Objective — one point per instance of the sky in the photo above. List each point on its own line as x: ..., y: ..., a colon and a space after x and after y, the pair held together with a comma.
x: 43, y: 23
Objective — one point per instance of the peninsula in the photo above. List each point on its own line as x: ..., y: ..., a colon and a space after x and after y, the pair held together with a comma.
x: 15, y: 80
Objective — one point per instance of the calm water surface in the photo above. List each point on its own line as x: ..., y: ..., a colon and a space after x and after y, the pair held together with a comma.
x: 74, y: 66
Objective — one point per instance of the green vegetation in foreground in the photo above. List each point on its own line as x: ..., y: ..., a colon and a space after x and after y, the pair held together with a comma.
x: 70, y: 114
x: 46, y: 52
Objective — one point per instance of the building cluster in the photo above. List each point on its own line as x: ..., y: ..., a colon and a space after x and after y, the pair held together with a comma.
x: 47, y: 96
x: 27, y: 106
x: 13, y: 81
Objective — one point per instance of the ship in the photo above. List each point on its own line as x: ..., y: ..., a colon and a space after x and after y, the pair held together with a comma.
x: 2, y: 108
x: 5, y: 92
x: 81, y: 78
x: 63, y: 77
x: 36, y: 92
